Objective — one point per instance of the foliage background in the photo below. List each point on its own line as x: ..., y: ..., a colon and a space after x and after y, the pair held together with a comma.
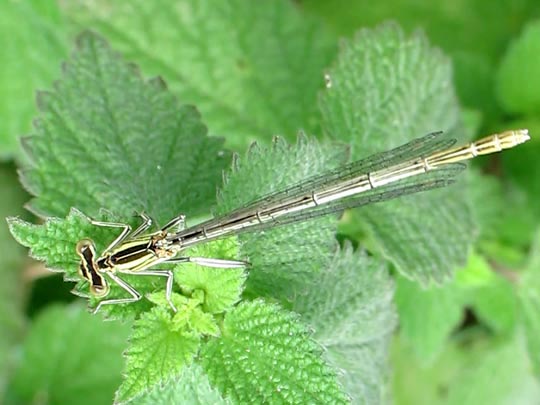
x: 253, y: 74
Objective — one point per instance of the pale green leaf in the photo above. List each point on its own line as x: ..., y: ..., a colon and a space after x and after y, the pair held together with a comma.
x: 385, y: 89
x: 518, y: 85
x: 69, y: 355
x: 203, y: 323
x: 265, y: 355
x: 470, y: 371
x: 253, y: 68
x: 529, y: 299
x: 495, y: 304
x: 490, y: 295
x: 428, y: 316
x: 190, y: 388
x: 282, y: 260
x: 221, y: 288
x: 107, y: 138
x: 497, y: 375
x: 351, y: 310
x: 156, y: 354
x: 33, y: 44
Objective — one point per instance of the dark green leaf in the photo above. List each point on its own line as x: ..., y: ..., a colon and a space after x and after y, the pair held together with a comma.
x: 105, y: 138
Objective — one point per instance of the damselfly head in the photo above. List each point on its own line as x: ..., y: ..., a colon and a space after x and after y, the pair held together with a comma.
x: 88, y: 268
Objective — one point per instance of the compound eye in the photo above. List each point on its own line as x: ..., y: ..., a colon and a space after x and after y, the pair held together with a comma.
x: 99, y: 290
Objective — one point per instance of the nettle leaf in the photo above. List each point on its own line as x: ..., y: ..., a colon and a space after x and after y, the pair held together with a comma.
x: 385, y: 89
x: 266, y: 355
x: 529, y: 300
x: 428, y: 315
x: 352, y: 313
x: 70, y: 354
x: 284, y: 259
x: 190, y: 388
x: 156, y: 354
x: 107, y: 138
x: 253, y: 68
x: 54, y: 242
x: 34, y: 43
x: 221, y: 287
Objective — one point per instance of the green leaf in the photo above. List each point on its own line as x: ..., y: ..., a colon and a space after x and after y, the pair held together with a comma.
x: 499, y: 374
x: 265, y: 355
x: 518, y: 85
x: 190, y: 388
x: 221, y: 287
x: 385, y: 89
x: 54, y: 242
x: 428, y: 316
x: 452, y: 25
x: 156, y: 354
x: 529, y: 299
x: 350, y: 308
x: 521, y: 170
x: 489, y: 294
x: 107, y: 138
x: 471, y: 371
x: 69, y: 354
x: 495, y: 304
x: 12, y: 286
x: 34, y: 44
x: 282, y: 260
x: 253, y: 68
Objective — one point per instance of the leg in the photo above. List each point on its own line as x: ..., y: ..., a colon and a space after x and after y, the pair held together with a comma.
x: 147, y: 223
x: 160, y: 273
x: 135, y: 295
x: 123, y: 235
x: 176, y: 224
x: 207, y: 262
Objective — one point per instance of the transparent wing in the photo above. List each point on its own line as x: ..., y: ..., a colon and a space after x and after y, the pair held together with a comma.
x: 228, y: 224
x: 416, y: 148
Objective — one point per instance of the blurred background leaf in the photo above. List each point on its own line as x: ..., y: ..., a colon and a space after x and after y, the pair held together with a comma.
x: 34, y: 42
x: 252, y: 68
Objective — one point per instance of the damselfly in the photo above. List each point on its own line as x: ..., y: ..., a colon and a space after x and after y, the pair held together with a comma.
x: 422, y: 164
